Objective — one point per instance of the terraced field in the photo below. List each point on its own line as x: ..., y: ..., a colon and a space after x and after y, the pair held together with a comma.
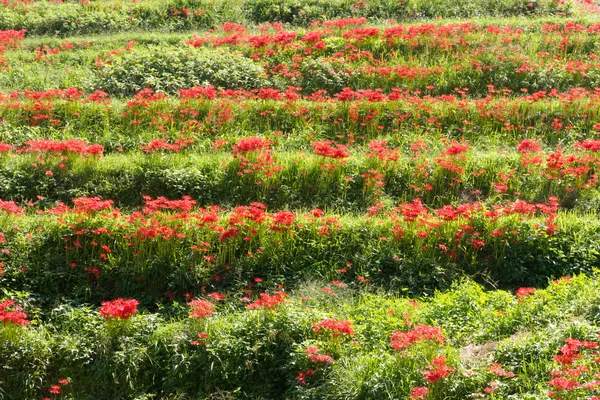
x: 260, y: 199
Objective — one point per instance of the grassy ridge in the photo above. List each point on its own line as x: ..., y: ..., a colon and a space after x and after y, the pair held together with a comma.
x: 69, y: 18
x: 353, y: 116
x: 441, y: 58
x: 91, y: 255
x: 307, y: 181
x: 491, y: 340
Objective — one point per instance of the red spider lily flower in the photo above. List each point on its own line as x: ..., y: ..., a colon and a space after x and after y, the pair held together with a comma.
x: 119, y: 308
x: 455, y: 148
x: 418, y: 393
x: 10, y: 207
x: 94, y: 271
x: 524, y: 291
x: 11, y: 37
x: 401, y: 340
x: 99, y: 96
x: 570, y: 351
x: 317, y: 212
x: 201, y: 308
x: 343, y: 22
x: 199, y: 92
x: 330, y: 149
x: 50, y: 146
x: 562, y: 383
x: 267, y: 301
x: 5, y: 147
x: 202, y: 336
x: 336, y: 327
x: 249, y: 144
x: 589, y: 144
x: 282, y: 220
x: 313, y: 354
x: 478, y: 243
x: 230, y: 233
x: 87, y: 204
x: 438, y: 370
x: 159, y: 144
x: 361, y: 33
x: 328, y: 291
x: 12, y: 314
x: 497, y: 370
x: 528, y: 146
x: 301, y: 377
x: 217, y: 296
x: 162, y: 203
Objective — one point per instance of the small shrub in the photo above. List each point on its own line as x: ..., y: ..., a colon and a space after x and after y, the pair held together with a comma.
x: 169, y: 69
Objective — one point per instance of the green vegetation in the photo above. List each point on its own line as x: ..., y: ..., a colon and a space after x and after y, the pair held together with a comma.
x: 262, y: 199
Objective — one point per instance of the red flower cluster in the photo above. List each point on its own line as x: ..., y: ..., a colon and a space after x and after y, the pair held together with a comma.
x: 162, y: 203
x: 497, y: 370
x: 529, y: 146
x: 267, y: 301
x: 5, y: 147
x: 418, y: 393
x: 159, y: 144
x: 380, y: 150
x: 255, y: 155
x: 301, y: 377
x: 438, y: 370
x: 202, y: 339
x: 336, y: 327
x: 56, y: 389
x: 562, y: 383
x: 343, y: 22
x: 12, y: 314
x: 201, y: 308
x: 282, y: 221
x: 589, y: 144
x: 88, y: 204
x: 330, y: 149
x: 313, y: 353
x: 119, y: 308
x: 10, y: 207
x: 51, y: 146
x: 250, y: 144
x: 572, y: 377
x: 10, y: 38
x: 198, y: 92
x: 401, y: 340
x: 570, y: 351
x: 455, y: 148
x: 524, y: 291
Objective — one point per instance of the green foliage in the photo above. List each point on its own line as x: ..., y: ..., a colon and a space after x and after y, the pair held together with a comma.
x: 371, y: 266
x: 259, y: 353
x: 74, y: 18
x: 168, y: 70
x: 288, y: 11
x: 322, y: 75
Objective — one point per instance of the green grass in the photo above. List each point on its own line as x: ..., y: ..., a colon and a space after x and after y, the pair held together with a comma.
x: 258, y: 354
x: 438, y: 223
x: 475, y: 64
x: 72, y: 18
x: 107, y: 254
x: 306, y: 181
